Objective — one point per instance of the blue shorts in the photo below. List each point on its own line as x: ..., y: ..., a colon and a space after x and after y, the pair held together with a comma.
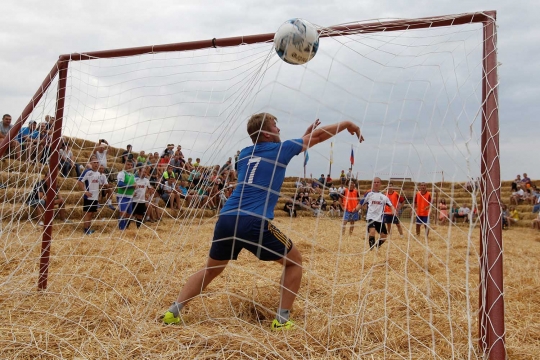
x: 422, y: 220
x: 234, y: 233
x: 351, y: 216
x: 390, y: 219
x: 125, y: 204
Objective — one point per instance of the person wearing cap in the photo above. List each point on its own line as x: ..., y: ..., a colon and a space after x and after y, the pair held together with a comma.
x: 27, y: 138
x: 127, y: 155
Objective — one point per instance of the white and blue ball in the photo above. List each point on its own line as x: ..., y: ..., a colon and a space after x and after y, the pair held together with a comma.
x: 296, y: 41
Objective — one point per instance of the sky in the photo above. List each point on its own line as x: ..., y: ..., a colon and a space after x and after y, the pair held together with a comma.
x: 35, y: 33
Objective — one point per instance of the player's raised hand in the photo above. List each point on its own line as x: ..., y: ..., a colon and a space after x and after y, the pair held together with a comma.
x: 312, y: 127
x: 353, y: 129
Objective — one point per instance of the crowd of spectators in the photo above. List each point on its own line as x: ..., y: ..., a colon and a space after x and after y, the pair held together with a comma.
x: 179, y: 182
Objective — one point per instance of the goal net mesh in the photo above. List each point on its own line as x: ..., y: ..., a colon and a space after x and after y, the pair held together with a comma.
x: 417, y: 97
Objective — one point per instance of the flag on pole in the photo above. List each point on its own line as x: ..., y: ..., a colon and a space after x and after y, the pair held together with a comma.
x: 352, y: 155
x: 306, y: 158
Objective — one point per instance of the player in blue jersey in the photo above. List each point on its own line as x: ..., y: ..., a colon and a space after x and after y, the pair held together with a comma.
x: 244, y: 221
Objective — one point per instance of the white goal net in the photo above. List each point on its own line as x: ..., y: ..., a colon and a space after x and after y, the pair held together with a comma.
x: 416, y: 95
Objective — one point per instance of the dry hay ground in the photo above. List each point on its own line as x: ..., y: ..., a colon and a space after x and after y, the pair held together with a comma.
x: 106, y: 292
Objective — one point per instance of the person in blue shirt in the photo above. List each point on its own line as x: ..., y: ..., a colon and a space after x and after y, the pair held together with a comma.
x: 28, y: 139
x: 245, y: 220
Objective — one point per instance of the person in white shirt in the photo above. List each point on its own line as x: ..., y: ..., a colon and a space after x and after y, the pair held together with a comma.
x: 101, y: 154
x: 375, y: 203
x: 66, y: 161
x: 89, y: 183
x: 465, y: 213
x: 333, y: 192
x: 142, y: 183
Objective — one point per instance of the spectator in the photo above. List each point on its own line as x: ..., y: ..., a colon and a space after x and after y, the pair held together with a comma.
x: 13, y: 145
x: 290, y: 208
x: 536, y: 223
x: 89, y: 183
x: 349, y: 176
x: 526, y: 181
x: 66, y: 161
x: 164, y: 162
x: 37, y: 199
x: 516, y: 182
x: 517, y: 196
x: 465, y: 213
x: 176, y: 164
x: 44, y: 144
x: 236, y: 158
x: 505, y: 215
x: 322, y: 180
x: 141, y: 159
x: 514, y: 216
x: 536, y: 206
x: 333, y: 192
x: 197, y: 162
x: 183, y: 191
x: 316, y: 186
x: 106, y: 190
x: 179, y: 152
x: 28, y: 139
x: 170, y: 195
x: 335, y: 209
x: 154, y: 211
x: 343, y: 177
x: 168, y: 173
x: 341, y: 190
x: 328, y: 182
x: 49, y: 124
x: 101, y: 153
x: 189, y: 166
x: 443, y: 212
x: 169, y: 150
x: 194, y: 177
x: 127, y: 155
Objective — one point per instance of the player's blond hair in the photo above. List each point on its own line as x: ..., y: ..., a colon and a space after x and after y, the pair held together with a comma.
x: 257, y: 124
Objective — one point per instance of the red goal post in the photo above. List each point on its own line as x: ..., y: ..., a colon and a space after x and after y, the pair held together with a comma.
x: 491, y: 299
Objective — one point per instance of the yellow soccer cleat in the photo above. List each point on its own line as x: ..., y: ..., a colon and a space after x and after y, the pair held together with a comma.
x: 169, y: 318
x: 277, y: 326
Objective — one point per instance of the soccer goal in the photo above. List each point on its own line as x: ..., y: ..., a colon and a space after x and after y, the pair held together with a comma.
x: 424, y: 93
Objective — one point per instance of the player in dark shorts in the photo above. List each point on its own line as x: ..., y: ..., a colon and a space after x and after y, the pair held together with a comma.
x: 89, y: 183
x: 375, y: 203
x: 245, y: 220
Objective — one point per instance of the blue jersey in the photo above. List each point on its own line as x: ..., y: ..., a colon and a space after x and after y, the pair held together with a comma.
x: 261, y: 171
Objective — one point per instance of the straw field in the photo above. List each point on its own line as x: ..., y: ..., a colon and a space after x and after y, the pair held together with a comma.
x: 413, y: 298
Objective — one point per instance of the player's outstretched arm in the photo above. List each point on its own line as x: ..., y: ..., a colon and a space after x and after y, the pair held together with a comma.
x: 312, y: 127
x: 326, y: 132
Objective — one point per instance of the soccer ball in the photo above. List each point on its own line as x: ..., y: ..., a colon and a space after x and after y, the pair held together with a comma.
x: 296, y: 41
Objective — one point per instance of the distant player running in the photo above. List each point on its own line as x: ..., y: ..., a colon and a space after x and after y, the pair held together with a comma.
x: 375, y: 203
x: 244, y: 221
x: 389, y: 216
